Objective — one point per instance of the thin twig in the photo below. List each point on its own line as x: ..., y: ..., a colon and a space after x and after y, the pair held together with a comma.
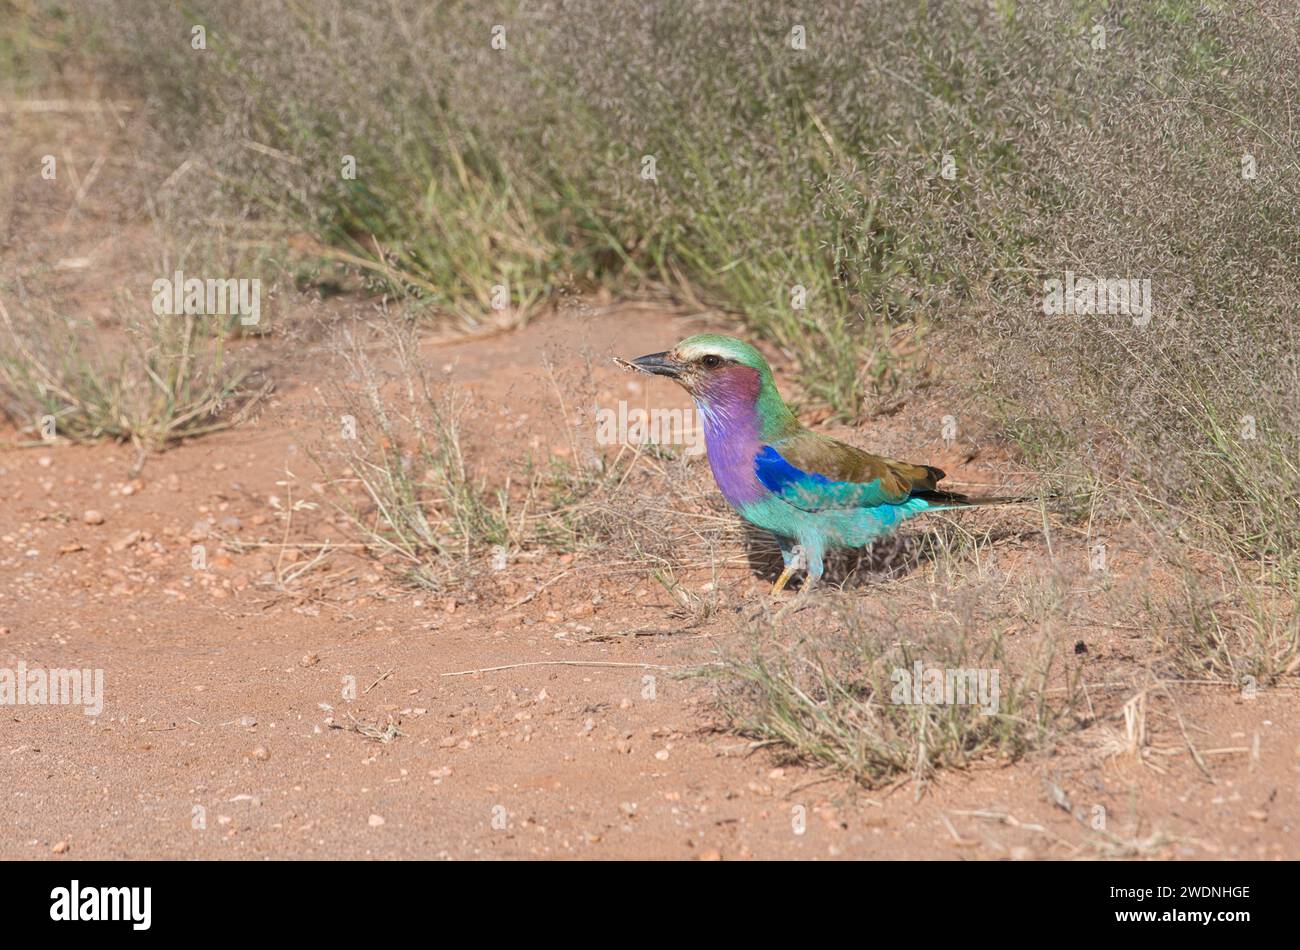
x: 524, y: 600
x: 377, y: 682
x: 516, y: 666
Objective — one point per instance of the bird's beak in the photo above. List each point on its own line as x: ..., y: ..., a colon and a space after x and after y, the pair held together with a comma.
x: 660, y: 364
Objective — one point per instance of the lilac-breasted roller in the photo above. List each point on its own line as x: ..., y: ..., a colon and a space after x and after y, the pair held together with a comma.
x: 812, y: 492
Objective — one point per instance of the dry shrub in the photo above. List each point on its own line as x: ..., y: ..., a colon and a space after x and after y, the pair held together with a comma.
x: 157, y: 379
x: 827, y: 689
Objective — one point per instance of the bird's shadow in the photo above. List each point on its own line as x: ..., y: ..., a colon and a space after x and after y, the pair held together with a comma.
x: 890, y: 558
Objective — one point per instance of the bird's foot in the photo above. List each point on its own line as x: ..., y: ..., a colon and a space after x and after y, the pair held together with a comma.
x: 767, y: 605
x: 800, y: 601
x: 783, y: 579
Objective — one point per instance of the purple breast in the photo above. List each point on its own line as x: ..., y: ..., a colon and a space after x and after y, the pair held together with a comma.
x: 728, y: 406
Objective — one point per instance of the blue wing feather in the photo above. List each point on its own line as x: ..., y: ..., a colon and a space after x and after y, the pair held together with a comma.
x: 812, y: 491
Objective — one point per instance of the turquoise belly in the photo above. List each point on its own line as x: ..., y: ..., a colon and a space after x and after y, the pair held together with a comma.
x: 831, y: 528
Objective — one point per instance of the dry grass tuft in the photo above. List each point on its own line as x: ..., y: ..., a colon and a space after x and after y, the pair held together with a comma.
x: 154, y: 381
x: 836, y: 689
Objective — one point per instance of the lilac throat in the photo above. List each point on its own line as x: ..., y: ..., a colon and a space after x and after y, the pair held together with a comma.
x: 732, y: 434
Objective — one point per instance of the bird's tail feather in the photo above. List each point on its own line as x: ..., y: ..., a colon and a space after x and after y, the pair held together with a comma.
x: 952, y: 499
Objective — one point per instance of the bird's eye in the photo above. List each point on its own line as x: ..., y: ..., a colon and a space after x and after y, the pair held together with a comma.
x: 712, y: 361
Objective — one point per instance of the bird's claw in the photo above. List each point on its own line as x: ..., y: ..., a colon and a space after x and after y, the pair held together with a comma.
x: 782, y: 605
x: 798, y: 602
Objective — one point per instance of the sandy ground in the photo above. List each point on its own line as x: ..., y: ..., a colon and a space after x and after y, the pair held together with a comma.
x: 239, y: 715
x: 217, y: 735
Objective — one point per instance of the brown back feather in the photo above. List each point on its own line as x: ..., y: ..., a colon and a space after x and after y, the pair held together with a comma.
x: 840, y: 462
